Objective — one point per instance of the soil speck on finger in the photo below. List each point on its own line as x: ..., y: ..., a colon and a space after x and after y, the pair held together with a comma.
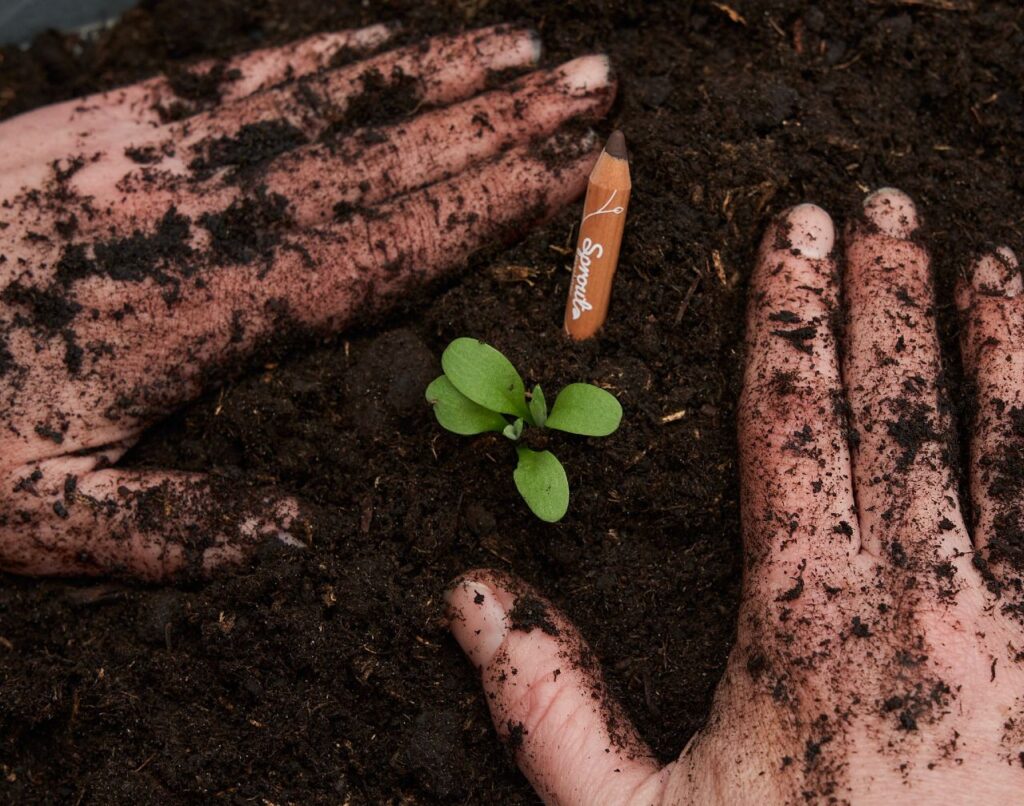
x: 530, y: 613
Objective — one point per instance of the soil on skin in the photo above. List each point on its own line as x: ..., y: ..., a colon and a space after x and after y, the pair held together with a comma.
x: 329, y: 677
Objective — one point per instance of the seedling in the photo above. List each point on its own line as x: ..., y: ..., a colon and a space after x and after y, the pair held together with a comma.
x: 480, y: 390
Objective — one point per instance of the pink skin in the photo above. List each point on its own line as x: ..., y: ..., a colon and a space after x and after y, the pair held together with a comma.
x: 448, y: 68
x: 109, y: 323
x: 878, y: 651
x: 70, y: 126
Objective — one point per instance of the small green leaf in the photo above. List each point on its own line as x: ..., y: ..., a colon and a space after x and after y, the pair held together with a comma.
x: 485, y: 376
x: 458, y: 413
x: 584, y: 409
x: 514, y: 430
x: 538, y: 407
x: 540, y: 479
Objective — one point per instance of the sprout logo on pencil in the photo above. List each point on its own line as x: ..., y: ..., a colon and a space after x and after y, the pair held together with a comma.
x: 587, y: 251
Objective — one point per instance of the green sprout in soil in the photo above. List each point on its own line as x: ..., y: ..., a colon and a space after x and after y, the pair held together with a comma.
x: 480, y: 390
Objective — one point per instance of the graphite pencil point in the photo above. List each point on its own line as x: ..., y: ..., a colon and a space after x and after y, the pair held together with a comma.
x: 616, y: 145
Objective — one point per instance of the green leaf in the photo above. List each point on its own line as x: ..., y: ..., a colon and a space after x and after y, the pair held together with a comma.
x: 538, y: 407
x: 584, y: 409
x: 514, y: 430
x: 458, y: 413
x: 540, y: 479
x: 485, y: 376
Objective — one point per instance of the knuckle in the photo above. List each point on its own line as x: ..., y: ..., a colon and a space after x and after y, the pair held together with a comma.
x: 797, y: 419
x: 549, y: 707
x: 531, y: 703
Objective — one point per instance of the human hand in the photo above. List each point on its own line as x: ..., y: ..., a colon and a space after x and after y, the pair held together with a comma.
x: 152, y: 236
x: 879, y: 651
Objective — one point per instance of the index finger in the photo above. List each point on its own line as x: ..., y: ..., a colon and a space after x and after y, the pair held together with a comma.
x: 129, y: 113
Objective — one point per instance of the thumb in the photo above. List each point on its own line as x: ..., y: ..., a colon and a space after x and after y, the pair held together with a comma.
x: 547, y: 698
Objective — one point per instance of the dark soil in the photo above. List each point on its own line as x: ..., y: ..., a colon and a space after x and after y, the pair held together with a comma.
x: 329, y: 677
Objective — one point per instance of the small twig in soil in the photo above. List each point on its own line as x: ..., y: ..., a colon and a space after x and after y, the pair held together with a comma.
x: 686, y: 299
x: 143, y: 765
x: 850, y: 62
x: 731, y: 13
x: 778, y: 28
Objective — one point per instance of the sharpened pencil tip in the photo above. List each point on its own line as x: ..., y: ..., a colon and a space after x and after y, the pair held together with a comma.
x: 616, y: 145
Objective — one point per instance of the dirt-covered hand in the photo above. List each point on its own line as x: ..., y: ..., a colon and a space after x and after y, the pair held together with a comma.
x: 879, y: 655
x: 152, y: 236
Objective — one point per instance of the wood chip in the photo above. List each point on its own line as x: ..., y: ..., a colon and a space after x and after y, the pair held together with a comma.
x: 514, y: 273
x: 716, y: 259
x: 731, y: 13
x: 95, y: 594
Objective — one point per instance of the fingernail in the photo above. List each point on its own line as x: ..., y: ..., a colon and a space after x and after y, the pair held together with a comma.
x: 998, y: 274
x: 477, y: 620
x: 536, y: 45
x: 257, y: 529
x: 892, y: 211
x: 376, y: 34
x: 290, y: 540
x: 504, y: 47
x: 811, y: 232
x: 587, y: 74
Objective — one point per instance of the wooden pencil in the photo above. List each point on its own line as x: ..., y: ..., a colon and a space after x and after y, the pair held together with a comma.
x: 599, y: 242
